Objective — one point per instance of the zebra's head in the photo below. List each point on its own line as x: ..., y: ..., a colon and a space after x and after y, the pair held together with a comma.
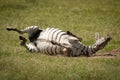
x: 101, y: 42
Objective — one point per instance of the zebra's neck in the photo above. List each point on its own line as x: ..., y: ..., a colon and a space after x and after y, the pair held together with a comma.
x: 88, y: 50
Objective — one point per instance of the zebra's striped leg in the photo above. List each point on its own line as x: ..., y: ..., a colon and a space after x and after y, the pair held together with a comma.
x: 14, y: 29
x: 26, y: 30
x: 31, y: 30
x: 71, y: 34
x: 31, y: 46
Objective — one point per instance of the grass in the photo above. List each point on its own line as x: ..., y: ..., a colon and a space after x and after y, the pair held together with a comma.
x: 82, y: 17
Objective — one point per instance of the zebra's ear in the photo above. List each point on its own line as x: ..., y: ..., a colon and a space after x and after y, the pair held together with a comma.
x: 97, y: 36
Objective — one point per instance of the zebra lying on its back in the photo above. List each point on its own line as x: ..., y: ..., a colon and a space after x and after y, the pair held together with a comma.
x: 54, y: 41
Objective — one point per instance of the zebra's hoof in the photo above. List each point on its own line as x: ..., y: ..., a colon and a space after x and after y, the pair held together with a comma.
x: 67, y: 52
x: 22, y: 38
x: 8, y: 28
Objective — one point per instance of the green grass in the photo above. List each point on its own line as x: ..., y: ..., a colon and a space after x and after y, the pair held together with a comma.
x: 82, y: 17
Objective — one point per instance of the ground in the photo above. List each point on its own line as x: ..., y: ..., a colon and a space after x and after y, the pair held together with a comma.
x: 111, y: 54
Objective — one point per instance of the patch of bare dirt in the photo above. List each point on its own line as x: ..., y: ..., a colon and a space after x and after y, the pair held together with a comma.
x: 110, y: 54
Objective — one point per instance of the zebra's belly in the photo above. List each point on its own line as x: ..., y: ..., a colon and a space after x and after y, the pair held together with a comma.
x: 49, y: 48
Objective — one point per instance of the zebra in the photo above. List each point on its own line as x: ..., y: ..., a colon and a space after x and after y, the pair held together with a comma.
x: 53, y: 41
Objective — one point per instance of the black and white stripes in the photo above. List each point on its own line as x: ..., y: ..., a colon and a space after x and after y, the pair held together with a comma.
x: 54, y: 41
x: 52, y: 34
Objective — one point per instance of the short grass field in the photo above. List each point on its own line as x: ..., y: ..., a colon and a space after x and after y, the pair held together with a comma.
x: 82, y: 17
